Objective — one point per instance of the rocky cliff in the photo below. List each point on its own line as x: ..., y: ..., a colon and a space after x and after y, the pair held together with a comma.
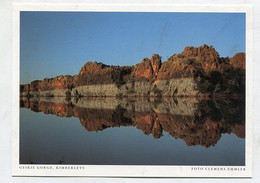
x: 197, y: 71
x: 148, y: 68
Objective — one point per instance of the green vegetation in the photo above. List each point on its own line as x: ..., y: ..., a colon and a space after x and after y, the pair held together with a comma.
x: 231, y: 81
x: 204, y: 86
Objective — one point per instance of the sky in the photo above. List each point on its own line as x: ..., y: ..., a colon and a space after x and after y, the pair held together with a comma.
x: 60, y: 43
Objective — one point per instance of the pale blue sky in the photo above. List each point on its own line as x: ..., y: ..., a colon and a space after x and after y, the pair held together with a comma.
x: 59, y: 43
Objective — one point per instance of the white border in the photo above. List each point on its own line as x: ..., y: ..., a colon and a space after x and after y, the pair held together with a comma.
x: 120, y: 170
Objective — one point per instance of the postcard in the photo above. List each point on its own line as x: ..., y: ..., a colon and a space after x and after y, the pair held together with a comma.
x: 132, y: 91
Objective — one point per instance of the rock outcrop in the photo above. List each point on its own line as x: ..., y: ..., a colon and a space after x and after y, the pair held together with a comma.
x: 93, y: 73
x: 57, y: 83
x: 197, y: 71
x: 207, y: 56
x: 192, y: 62
x: 238, y: 61
x: 95, y: 68
x: 148, y: 68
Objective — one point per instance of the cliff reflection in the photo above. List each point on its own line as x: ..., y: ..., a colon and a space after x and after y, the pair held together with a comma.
x: 197, y: 122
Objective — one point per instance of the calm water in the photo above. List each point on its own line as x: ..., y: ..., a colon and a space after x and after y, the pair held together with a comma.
x: 132, y: 131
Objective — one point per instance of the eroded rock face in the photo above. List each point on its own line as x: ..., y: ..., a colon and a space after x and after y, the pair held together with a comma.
x: 59, y: 82
x: 156, y: 63
x: 238, y: 60
x: 49, y: 87
x: 206, y: 55
x: 97, y: 73
x: 192, y: 62
x: 148, y: 68
x: 186, y: 74
x: 95, y: 68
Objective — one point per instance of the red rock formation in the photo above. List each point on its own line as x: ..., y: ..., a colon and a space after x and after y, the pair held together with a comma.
x: 98, y: 73
x: 59, y: 82
x: 238, y: 60
x: 178, y: 67
x: 206, y: 55
x: 148, y: 68
x: 95, y: 68
x: 193, y: 61
x: 156, y: 64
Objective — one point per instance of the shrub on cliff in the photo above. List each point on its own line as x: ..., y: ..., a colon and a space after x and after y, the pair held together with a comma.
x: 118, y: 75
x: 234, y: 80
x: 215, y: 78
x: 231, y: 81
x: 204, y: 86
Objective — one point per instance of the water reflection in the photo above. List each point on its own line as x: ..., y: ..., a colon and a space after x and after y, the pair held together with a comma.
x: 197, y: 122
